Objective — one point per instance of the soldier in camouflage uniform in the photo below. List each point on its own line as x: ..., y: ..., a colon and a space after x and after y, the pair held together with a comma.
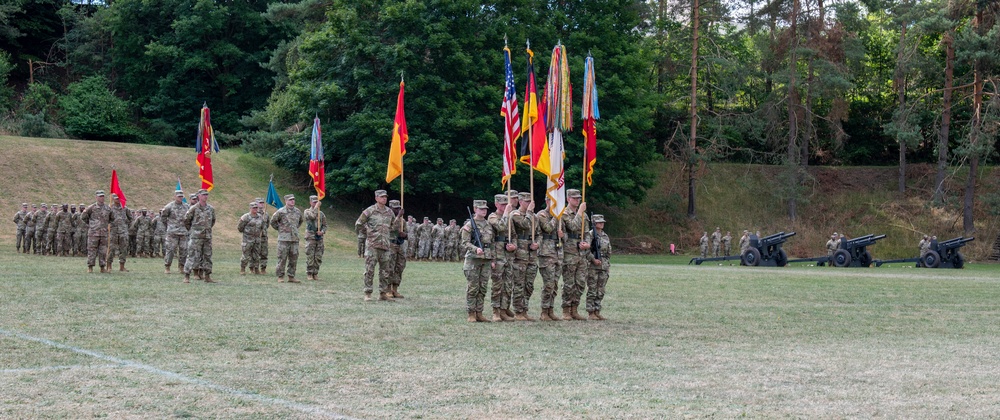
x: 716, y: 241
x: 199, y: 220
x: 250, y: 225
x: 80, y: 239
x: 41, y: 219
x: 411, y: 237
x: 74, y: 220
x: 287, y: 221
x: 29, y: 230
x: 424, y: 233
x: 397, y: 250
x: 119, y: 231
x: 20, y: 222
x: 133, y: 235
x: 451, y: 235
x: 502, y: 275
x: 703, y: 243
x: 64, y: 231
x: 831, y: 246
x: 263, y: 244
x: 597, y: 272
x: 478, y: 260
x: 97, y: 216
x: 175, y: 242
x: 525, y: 258
x: 143, y: 230
x: 924, y: 246
x: 377, y: 220
x: 315, y: 229
x: 574, y: 254
x: 550, y: 256
x: 744, y: 242
x: 50, y: 229
x: 727, y: 243
x: 437, y: 240
x: 159, y: 230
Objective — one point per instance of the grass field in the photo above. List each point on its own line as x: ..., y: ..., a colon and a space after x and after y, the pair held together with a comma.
x: 683, y: 341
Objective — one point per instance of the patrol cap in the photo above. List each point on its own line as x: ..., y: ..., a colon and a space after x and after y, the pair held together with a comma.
x: 143, y: 209
x: 313, y: 198
x: 113, y: 195
x: 99, y: 193
x: 440, y: 220
x: 394, y: 204
x: 202, y: 192
x: 573, y: 193
x: 512, y: 193
x: 253, y: 204
x: 380, y: 193
x: 259, y: 200
x: 451, y: 221
x: 500, y: 199
x: 480, y: 204
x: 178, y: 193
x: 81, y: 205
x: 427, y: 219
x: 24, y: 204
x: 34, y: 206
x: 45, y: 206
x: 289, y: 197
x: 598, y: 218
x: 525, y: 196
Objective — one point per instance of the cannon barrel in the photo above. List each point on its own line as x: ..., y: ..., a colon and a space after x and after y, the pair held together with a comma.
x: 776, y: 238
x: 956, y: 242
x: 863, y: 240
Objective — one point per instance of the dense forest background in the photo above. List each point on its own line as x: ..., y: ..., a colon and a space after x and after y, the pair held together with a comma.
x: 790, y: 83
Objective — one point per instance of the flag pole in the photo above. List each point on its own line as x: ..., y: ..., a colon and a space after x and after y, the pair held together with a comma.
x: 402, y: 171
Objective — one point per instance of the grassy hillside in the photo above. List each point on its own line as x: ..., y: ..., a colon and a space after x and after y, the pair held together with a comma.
x: 851, y: 200
x: 69, y: 171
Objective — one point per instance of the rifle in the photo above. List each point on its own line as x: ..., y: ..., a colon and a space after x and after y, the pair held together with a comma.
x: 595, y: 241
x: 475, y: 230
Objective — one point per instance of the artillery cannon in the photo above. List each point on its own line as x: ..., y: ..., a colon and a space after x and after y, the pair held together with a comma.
x: 850, y: 253
x: 764, y: 251
x: 940, y: 255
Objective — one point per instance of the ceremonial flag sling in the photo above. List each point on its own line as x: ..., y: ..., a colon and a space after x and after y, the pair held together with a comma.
x: 511, y: 121
x: 559, y: 119
x: 205, y: 144
x: 317, y: 168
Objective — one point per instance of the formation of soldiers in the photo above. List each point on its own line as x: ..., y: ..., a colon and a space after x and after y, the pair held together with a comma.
x: 720, y: 243
x: 427, y: 241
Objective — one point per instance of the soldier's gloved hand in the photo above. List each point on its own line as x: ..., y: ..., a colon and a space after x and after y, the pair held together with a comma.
x: 533, y: 246
x: 584, y: 245
x: 583, y: 208
x: 511, y: 247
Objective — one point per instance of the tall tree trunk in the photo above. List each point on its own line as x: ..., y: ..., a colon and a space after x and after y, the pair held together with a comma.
x: 968, y: 204
x: 949, y: 76
x: 794, y: 102
x: 899, y: 83
x: 693, y: 141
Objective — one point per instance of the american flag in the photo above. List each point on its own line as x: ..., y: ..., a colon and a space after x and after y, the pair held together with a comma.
x: 512, y: 121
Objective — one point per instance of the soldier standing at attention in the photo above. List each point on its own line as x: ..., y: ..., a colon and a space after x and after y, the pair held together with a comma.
x: 550, y: 256
x: 176, y: 240
x: 437, y: 240
x: 199, y: 220
x: 141, y: 226
x: 41, y: 218
x: 29, y: 230
x: 250, y: 225
x: 133, y: 235
x: 923, y: 245
x: 81, y: 232
x: 716, y: 240
x: 503, y: 259
x: 831, y: 245
x: 744, y: 242
x: 727, y: 243
x: 574, y: 255
x: 451, y: 241
x: 315, y: 229
x: 50, y: 229
x: 263, y: 245
x: 64, y: 231
x: 21, y: 223
x: 704, y: 244
x: 287, y: 221
x: 377, y: 220
x: 397, y: 250
x: 159, y: 229
x: 597, y: 272
x: 424, y: 232
x: 411, y: 237
x: 97, y: 216
x: 74, y: 220
x: 119, y: 232
x: 526, y: 256
x: 478, y: 261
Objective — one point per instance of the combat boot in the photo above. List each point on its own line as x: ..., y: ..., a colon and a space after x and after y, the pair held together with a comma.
x: 504, y: 316
x: 315, y: 277
x: 198, y: 275
x: 496, y: 315
x: 481, y: 318
x: 368, y: 297
x: 292, y: 280
x: 121, y: 267
x: 90, y: 269
x: 208, y: 278
x: 243, y: 270
x: 545, y: 315
x: 263, y: 270
x: 599, y: 316
x: 187, y: 278
x: 509, y: 313
x: 576, y: 315
x: 527, y: 317
x: 166, y: 269
x: 255, y: 271
x: 593, y: 316
x: 472, y: 316
x: 104, y: 269
x: 520, y: 316
x: 386, y: 296
x: 395, y: 292
x: 281, y: 279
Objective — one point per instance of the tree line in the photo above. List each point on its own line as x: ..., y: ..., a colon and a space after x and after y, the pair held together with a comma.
x: 781, y: 82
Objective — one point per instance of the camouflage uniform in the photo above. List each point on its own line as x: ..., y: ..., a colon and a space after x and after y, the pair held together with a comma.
x: 502, y: 276
x: 437, y: 240
x: 262, y: 246
x: 199, y: 221
x: 704, y: 244
x: 362, y: 238
x: 550, y: 256
x: 525, y: 259
x: 29, y: 230
x: 597, y: 275
x: 727, y: 244
x: 287, y: 221
x: 377, y: 220
x: 397, y: 251
x: 831, y: 245
x: 451, y: 235
x: 119, y: 231
x: 20, y: 222
x: 424, y: 234
x: 133, y: 235
x: 716, y: 240
x: 41, y: 218
x: 64, y: 232
x: 251, y: 224
x: 80, y: 239
x: 477, y: 268
x: 574, y: 258
x: 315, y: 229
x: 744, y: 242
x: 97, y: 216
x: 925, y: 246
x: 176, y: 240
x: 50, y: 231
x: 143, y: 227
x: 159, y: 229
x: 411, y: 238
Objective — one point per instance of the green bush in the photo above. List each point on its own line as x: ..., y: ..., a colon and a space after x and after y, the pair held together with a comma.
x: 38, y: 98
x: 6, y: 92
x: 35, y: 125
x: 90, y: 110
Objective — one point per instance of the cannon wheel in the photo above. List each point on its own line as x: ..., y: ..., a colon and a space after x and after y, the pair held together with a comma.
x: 866, y: 259
x: 752, y: 257
x: 780, y: 258
x: 931, y: 259
x: 959, y: 260
x: 841, y: 258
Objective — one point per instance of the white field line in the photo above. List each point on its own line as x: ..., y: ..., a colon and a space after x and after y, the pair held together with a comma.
x: 51, y: 368
x: 305, y: 408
